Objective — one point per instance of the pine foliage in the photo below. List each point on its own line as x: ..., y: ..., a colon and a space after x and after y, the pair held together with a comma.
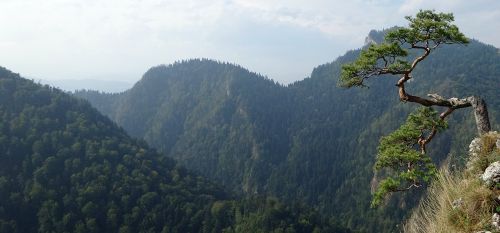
x: 399, y: 152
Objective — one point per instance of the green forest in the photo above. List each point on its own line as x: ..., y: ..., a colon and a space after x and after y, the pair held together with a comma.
x: 309, y: 141
x: 64, y: 167
x: 249, y: 116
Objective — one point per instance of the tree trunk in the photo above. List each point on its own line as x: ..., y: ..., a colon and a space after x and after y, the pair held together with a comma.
x: 478, y: 104
x: 481, y: 114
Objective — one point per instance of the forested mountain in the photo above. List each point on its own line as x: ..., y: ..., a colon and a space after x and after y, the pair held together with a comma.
x: 309, y: 141
x: 64, y: 167
x: 209, y: 115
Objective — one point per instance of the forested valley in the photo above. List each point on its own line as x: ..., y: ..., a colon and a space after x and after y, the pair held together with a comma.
x: 308, y: 142
x: 67, y: 168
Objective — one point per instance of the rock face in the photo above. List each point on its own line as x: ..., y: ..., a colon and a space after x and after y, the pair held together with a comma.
x: 474, y: 149
x: 491, y: 175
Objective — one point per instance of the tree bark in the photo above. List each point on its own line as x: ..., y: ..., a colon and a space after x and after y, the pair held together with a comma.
x: 478, y: 104
x: 481, y: 114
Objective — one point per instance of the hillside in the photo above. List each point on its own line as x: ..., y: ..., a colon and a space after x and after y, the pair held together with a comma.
x: 208, y: 115
x: 308, y: 141
x: 466, y: 200
x: 64, y: 167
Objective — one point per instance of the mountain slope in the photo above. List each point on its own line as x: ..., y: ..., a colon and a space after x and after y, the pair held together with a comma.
x: 207, y: 115
x: 308, y: 141
x: 64, y: 167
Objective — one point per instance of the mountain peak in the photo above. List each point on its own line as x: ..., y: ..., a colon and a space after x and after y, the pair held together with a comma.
x: 377, y: 36
x: 194, y: 71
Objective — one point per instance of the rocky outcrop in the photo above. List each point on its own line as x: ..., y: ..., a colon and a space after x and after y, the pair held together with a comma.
x: 467, y: 202
x: 474, y: 149
x: 495, y: 221
x: 491, y: 175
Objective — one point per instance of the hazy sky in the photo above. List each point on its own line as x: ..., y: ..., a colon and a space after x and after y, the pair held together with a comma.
x: 283, y: 39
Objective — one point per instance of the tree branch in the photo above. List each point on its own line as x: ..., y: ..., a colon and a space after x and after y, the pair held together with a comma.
x: 434, y: 100
x: 479, y: 106
x: 414, y: 185
x: 424, y: 141
x: 419, y: 59
x: 480, y: 110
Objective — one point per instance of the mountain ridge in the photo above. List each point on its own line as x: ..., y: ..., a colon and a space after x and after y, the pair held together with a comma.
x: 65, y: 167
x: 301, y: 141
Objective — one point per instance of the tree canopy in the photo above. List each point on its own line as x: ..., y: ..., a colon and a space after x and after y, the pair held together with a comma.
x: 425, y: 32
x: 410, y: 168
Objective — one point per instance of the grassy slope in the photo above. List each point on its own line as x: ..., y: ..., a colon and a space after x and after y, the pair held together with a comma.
x: 436, y: 212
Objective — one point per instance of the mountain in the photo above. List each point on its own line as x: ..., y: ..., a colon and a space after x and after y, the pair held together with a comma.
x: 309, y: 141
x: 110, y: 86
x: 207, y: 115
x: 64, y: 167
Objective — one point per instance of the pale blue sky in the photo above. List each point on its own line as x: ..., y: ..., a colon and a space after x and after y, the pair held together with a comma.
x: 283, y: 39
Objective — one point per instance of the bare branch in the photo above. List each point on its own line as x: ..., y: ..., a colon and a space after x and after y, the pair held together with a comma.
x: 414, y: 185
x: 446, y: 113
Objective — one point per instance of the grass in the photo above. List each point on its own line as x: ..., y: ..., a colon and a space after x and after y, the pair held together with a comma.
x: 436, y: 214
x: 487, y: 154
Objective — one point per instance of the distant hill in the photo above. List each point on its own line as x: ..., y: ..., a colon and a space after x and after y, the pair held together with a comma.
x: 109, y: 86
x: 64, y: 167
x: 308, y: 141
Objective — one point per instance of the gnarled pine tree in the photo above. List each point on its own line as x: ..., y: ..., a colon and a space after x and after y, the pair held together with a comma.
x: 404, y: 151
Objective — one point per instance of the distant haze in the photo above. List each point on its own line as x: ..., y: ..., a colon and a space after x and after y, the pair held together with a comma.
x: 109, y: 86
x: 284, y: 40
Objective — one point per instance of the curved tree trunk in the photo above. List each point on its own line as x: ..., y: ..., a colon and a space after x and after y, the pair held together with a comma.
x: 478, y: 104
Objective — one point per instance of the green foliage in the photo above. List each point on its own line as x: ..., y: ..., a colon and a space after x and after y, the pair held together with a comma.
x: 66, y: 168
x: 428, y: 27
x: 400, y: 152
x: 369, y: 64
x: 270, y: 215
x: 426, y: 31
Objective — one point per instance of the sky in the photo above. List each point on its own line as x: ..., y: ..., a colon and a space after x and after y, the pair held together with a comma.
x: 281, y: 39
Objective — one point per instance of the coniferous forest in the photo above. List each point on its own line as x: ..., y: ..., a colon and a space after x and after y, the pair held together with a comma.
x: 67, y: 168
x: 309, y: 141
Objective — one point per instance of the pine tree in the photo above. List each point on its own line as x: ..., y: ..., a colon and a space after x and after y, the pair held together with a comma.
x: 404, y: 151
